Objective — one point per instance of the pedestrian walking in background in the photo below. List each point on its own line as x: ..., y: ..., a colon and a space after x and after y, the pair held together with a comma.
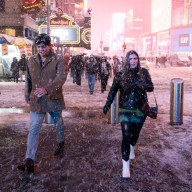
x: 111, y: 64
x: 162, y: 60
x: 67, y: 59
x: 79, y: 69
x: 157, y: 62
x: 104, y: 73
x: 91, y: 71
x: 15, y: 69
x: 117, y: 65
x: 72, y: 68
x: 133, y: 83
x: 76, y: 66
x: 22, y: 67
x: 45, y: 77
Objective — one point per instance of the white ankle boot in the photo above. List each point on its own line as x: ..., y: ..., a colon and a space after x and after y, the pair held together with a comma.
x: 126, y: 169
x: 132, y: 152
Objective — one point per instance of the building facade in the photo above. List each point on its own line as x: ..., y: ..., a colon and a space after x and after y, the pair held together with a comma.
x: 154, y: 28
x: 14, y: 22
x: 129, y: 26
x: 171, y: 22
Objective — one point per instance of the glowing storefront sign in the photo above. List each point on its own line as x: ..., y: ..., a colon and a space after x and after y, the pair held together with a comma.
x: 161, y: 15
x: 181, y: 40
x: 64, y: 31
x: 184, y: 39
x: 66, y: 35
x: 86, y: 35
x: 62, y: 28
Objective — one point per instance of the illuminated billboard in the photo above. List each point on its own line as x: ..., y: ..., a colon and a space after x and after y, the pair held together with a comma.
x: 181, y: 40
x: 161, y: 15
x: 32, y: 4
x: 65, y: 35
x: 64, y: 31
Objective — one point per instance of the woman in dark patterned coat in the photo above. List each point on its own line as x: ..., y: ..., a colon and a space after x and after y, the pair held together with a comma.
x: 15, y: 69
x: 133, y: 83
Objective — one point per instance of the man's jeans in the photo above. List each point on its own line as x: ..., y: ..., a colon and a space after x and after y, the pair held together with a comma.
x: 73, y: 75
x: 21, y: 75
x: 36, y: 120
x: 91, y: 81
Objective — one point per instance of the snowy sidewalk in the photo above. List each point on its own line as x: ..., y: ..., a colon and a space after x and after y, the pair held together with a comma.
x: 92, y: 159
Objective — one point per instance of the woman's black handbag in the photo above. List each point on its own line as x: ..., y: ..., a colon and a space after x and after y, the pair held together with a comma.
x: 150, y: 111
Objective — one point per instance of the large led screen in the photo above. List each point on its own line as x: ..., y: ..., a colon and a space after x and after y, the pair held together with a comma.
x: 64, y: 34
x: 161, y: 15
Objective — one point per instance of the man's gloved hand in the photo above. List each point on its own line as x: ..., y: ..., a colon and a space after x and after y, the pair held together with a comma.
x: 105, y: 109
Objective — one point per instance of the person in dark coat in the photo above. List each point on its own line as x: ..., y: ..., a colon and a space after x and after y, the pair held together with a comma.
x: 45, y: 76
x: 22, y: 66
x: 104, y: 73
x: 91, y: 71
x: 72, y: 68
x: 79, y: 69
x: 76, y: 66
x: 132, y: 83
x: 157, y: 62
x: 15, y: 69
x: 163, y: 60
x: 117, y: 66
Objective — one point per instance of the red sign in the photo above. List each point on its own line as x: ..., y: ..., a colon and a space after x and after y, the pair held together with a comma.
x: 22, y: 49
x: 59, y: 21
x: 29, y: 1
x: 32, y: 4
x: 124, y: 46
x: 105, y: 48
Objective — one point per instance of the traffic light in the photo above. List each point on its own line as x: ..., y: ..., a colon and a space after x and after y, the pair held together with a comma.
x: 124, y: 46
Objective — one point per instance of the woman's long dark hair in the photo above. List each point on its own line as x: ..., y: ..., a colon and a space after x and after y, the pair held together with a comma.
x: 126, y: 70
x: 127, y: 62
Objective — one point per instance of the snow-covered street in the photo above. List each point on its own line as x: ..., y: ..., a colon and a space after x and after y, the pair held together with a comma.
x: 92, y: 158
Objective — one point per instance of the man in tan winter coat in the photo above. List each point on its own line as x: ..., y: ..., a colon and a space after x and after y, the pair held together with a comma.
x: 45, y: 77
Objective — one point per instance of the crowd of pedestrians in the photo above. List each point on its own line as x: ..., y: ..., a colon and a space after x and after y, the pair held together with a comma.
x: 18, y: 68
x: 94, y: 68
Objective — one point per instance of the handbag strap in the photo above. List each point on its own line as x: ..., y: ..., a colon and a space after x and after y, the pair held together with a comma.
x: 155, y: 98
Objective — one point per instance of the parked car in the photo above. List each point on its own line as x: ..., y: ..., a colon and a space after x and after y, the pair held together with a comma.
x: 184, y: 60
x: 179, y: 60
x: 144, y: 62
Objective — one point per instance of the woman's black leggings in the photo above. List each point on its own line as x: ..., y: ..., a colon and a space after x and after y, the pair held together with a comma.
x: 130, y: 132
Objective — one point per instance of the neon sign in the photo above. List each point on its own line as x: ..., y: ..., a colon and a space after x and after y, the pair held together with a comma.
x: 64, y: 31
x: 31, y: 4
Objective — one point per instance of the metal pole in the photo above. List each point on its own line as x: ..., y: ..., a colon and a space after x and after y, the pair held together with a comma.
x: 48, y: 119
x: 176, y: 101
x: 48, y: 17
x: 101, y: 43
x: 113, y: 114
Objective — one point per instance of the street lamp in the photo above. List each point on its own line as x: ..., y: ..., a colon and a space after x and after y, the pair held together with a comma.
x: 101, y: 43
x: 48, y: 17
x: 124, y: 48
